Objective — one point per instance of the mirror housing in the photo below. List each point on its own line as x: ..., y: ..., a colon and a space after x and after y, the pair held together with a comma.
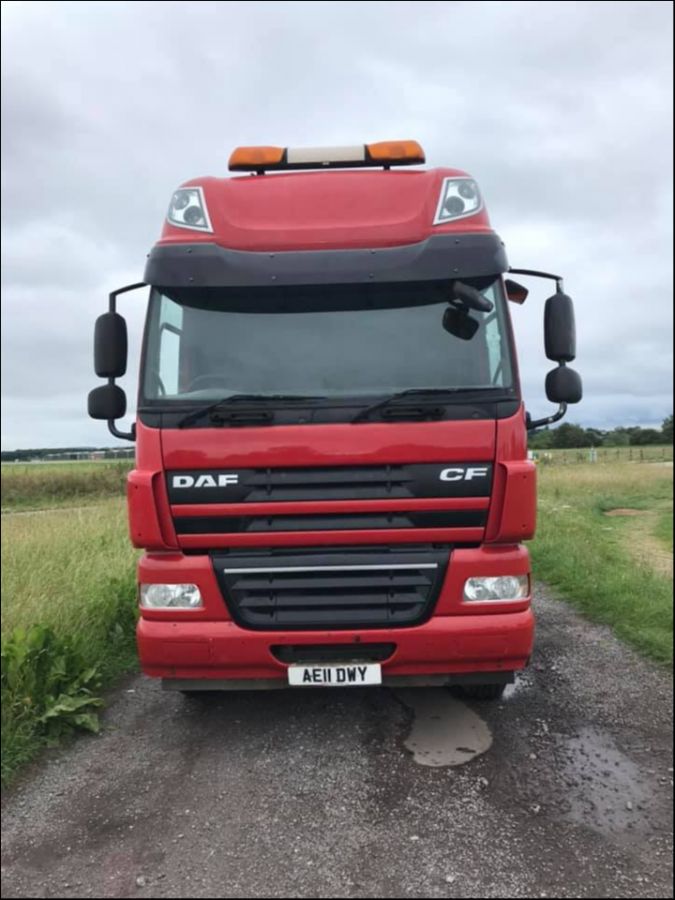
x: 107, y: 402
x: 515, y: 292
x: 110, y: 347
x: 559, y: 328
x: 563, y: 385
x: 459, y: 323
x: 470, y: 297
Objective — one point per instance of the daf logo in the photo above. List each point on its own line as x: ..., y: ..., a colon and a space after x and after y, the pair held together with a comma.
x: 204, y: 481
x: 463, y: 474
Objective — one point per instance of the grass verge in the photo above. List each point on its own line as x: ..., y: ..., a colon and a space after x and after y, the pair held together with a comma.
x: 664, y: 529
x: 68, y: 620
x: 42, y: 486
x: 582, y: 552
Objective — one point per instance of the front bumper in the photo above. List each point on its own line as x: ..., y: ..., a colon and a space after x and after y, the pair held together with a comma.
x: 443, y: 646
x: 459, y: 639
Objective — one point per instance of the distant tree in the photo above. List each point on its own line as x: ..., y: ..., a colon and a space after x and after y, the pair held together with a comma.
x: 645, y: 436
x: 569, y: 436
x: 667, y: 429
x: 619, y: 437
x: 596, y: 437
x: 540, y: 440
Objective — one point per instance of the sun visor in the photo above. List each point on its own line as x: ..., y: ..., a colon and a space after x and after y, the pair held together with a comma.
x: 437, y: 258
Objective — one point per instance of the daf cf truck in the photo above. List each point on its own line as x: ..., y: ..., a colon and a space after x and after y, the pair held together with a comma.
x: 331, y: 484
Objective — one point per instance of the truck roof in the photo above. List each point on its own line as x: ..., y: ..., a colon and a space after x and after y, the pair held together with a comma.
x: 325, y: 210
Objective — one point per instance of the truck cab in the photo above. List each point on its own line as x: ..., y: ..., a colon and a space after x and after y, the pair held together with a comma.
x: 332, y: 484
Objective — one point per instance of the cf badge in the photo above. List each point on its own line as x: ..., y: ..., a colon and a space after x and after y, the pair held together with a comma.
x: 463, y: 473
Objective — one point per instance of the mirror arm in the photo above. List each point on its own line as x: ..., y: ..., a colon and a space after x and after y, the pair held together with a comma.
x: 112, y: 297
x: 125, y: 435
x: 112, y: 428
x: 112, y: 307
x: 549, y: 420
x: 536, y: 274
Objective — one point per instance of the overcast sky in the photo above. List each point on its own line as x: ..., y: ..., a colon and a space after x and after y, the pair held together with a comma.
x: 562, y: 112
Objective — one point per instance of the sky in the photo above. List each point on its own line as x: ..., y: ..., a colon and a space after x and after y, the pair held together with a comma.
x: 561, y: 111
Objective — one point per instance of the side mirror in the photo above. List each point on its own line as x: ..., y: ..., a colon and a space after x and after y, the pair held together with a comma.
x: 459, y: 323
x: 107, y: 402
x: 559, y: 329
x: 110, y: 346
x: 563, y: 385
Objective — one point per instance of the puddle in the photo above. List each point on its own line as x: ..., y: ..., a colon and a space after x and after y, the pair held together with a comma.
x: 445, y: 732
x: 605, y: 789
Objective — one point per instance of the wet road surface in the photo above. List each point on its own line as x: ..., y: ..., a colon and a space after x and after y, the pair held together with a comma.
x: 562, y: 789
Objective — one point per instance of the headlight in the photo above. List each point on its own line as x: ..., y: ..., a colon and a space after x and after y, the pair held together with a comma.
x: 502, y: 587
x: 170, y: 596
x: 188, y: 210
x: 459, y: 198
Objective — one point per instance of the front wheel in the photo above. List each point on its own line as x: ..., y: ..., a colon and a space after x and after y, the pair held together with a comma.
x: 483, y: 691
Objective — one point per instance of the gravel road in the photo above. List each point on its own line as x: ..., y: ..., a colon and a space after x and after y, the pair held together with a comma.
x: 315, y: 794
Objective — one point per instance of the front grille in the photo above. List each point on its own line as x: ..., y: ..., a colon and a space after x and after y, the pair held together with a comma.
x: 331, y: 590
x: 336, y: 522
x: 389, y: 482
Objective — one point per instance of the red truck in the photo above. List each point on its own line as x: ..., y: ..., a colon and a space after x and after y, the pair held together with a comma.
x: 332, y: 484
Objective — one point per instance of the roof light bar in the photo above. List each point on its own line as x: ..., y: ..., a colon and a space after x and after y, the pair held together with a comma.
x: 385, y: 153
x: 246, y: 159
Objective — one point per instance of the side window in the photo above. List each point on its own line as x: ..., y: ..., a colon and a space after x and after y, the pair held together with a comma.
x: 170, y: 330
x: 493, y: 340
x: 494, y: 326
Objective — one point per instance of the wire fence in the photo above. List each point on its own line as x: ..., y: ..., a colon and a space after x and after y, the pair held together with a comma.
x: 647, y: 454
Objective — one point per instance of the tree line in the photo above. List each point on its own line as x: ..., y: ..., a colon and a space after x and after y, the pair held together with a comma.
x: 566, y: 436
x: 570, y: 436
x: 45, y: 453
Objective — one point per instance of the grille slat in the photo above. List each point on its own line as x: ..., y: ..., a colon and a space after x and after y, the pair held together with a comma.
x: 342, y: 491
x: 252, y: 584
x: 460, y: 518
x: 339, y: 618
x: 320, y: 601
x: 331, y: 589
x: 380, y: 477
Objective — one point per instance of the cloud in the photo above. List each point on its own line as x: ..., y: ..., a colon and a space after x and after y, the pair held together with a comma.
x: 562, y: 112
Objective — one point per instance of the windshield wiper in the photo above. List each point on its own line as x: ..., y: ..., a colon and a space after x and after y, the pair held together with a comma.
x: 423, y: 394
x: 222, y: 405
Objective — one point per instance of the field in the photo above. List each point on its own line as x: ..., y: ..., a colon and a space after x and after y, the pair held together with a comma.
x: 650, y: 453
x: 45, y: 485
x: 604, y: 542
x: 68, y: 611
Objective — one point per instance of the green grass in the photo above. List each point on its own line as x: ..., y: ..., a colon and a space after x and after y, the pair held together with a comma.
x: 602, y: 564
x: 46, y: 485
x: 664, y: 529
x: 68, y: 619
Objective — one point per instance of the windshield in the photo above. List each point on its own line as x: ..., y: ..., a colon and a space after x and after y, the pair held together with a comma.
x: 203, y: 345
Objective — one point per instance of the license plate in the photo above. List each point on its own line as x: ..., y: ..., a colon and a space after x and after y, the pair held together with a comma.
x: 347, y: 675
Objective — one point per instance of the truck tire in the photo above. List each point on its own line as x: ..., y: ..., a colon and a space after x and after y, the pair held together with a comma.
x: 483, y: 691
